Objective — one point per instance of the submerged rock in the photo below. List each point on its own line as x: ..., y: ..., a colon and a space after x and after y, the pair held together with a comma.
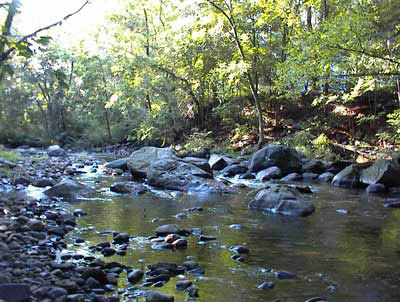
x: 282, y: 199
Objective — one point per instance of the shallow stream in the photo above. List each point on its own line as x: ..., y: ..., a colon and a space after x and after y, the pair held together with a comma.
x: 348, y: 250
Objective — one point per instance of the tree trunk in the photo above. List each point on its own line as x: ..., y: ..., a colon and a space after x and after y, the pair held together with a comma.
x: 107, y: 116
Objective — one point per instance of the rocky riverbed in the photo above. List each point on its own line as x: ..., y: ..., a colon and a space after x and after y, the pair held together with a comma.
x: 111, y: 239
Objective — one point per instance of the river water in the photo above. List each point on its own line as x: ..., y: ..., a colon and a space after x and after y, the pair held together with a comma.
x: 348, y: 250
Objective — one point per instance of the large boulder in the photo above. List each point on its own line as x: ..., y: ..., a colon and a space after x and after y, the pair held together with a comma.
x: 56, y: 151
x: 286, y: 159
x: 383, y: 171
x: 218, y: 162
x: 177, y: 175
x: 118, y: 164
x: 201, y: 163
x: 67, y: 189
x: 140, y: 160
x: 282, y: 199
x: 349, y: 177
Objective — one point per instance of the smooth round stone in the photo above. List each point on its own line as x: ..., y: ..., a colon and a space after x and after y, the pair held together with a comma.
x: 181, y: 216
x: 156, y: 296
x: 285, y: 275
x: 376, y: 189
x: 240, y: 249
x: 235, y: 226
x: 316, y: 299
x: 183, y: 284
x: 266, y: 285
x: 135, y: 276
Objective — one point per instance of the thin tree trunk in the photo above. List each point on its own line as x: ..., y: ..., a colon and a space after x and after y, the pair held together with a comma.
x: 107, y: 116
x: 254, y: 92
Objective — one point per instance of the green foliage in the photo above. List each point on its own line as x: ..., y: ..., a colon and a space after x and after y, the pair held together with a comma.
x: 199, y: 140
x: 311, y: 145
x: 9, y: 155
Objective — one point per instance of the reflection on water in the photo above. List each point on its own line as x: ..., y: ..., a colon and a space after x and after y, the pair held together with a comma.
x: 351, y: 257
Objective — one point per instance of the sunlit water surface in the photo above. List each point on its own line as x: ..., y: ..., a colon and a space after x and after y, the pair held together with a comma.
x: 348, y: 250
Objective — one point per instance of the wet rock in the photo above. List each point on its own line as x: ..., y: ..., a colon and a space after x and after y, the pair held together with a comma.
x: 181, y: 216
x: 207, y: 238
x: 197, y: 271
x: 22, y: 180
x: 130, y: 188
x: 392, y: 203
x: 202, y: 163
x: 92, y: 283
x: 36, y: 225
x: 286, y: 159
x: 233, y: 170
x: 247, y: 175
x: 285, y: 275
x: 67, y: 189
x: 171, y: 238
x: 349, y: 177
x: 179, y: 176
x: 218, y: 162
x: 118, y: 164
x: 240, y: 249
x: 326, y: 177
x: 135, y: 276
x: 282, y: 199
x: 292, y: 177
x: 56, y: 151
x: 307, y: 176
x: 108, y: 251
x: 190, y: 265
x: 79, y: 212
x: 383, y: 171
x: 15, y: 292
x: 269, y: 173
x: 238, y: 258
x: 235, y: 226
x: 183, y: 284
x: 121, y: 238
x: 193, y: 291
x: 266, y: 285
x: 43, y: 182
x: 162, y: 246
x: 316, y: 299
x: 95, y: 273
x: 57, y: 292
x: 376, y: 189
x: 167, y: 229
x: 140, y: 160
x: 156, y: 296
x: 313, y: 166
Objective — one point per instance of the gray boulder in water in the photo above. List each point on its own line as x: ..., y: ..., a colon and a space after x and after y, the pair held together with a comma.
x: 177, y: 175
x: 56, y: 151
x: 140, y: 160
x: 67, y: 189
x: 286, y: 159
x: 383, y: 171
x: 349, y: 177
x: 282, y: 199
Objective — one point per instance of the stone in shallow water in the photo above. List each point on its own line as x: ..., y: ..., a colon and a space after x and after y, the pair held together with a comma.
x: 156, y: 296
x: 285, y: 275
x: 15, y: 292
x: 266, y: 285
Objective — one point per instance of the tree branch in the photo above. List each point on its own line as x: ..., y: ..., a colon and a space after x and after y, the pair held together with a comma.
x: 4, y: 56
x: 366, y: 53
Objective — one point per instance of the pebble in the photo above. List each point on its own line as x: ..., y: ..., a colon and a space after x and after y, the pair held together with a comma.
x: 266, y: 285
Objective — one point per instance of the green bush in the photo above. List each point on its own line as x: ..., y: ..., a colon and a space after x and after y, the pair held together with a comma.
x: 9, y: 155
